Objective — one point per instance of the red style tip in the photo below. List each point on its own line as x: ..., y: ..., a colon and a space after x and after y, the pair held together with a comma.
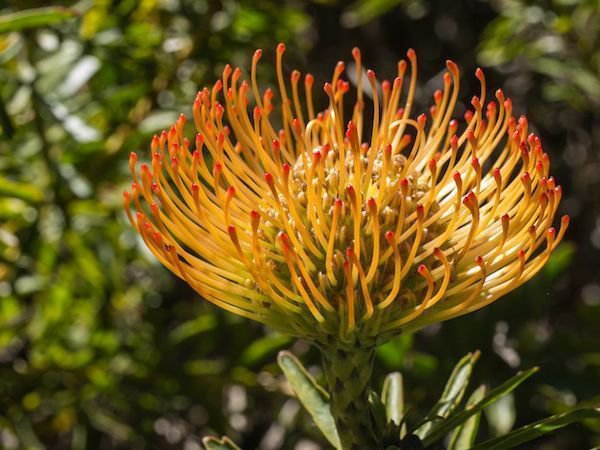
x: 389, y: 236
x: 404, y: 185
x: 269, y: 179
x: 356, y: 53
x: 254, y: 218
x: 371, y: 75
x: 454, y: 142
x: 295, y: 76
x: 257, y: 54
x: 422, y: 270
x: 411, y: 55
x: 280, y: 48
x: 372, y: 204
x: 452, y: 67
x: 432, y: 164
x: 479, y: 74
x: 420, y: 212
x: 309, y: 80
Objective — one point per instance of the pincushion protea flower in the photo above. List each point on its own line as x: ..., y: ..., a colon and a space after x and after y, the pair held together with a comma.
x: 342, y: 232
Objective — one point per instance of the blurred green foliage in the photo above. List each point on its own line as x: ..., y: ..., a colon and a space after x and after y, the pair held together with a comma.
x: 101, y: 348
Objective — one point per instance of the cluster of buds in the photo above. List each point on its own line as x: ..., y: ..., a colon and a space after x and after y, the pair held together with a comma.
x: 325, y: 227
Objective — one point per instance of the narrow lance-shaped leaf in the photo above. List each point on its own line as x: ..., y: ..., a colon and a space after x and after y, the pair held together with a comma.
x: 537, y: 429
x: 452, y: 395
x: 312, y: 396
x: 377, y: 411
x: 463, y: 436
x: 213, y: 443
x: 33, y: 18
x: 440, y: 429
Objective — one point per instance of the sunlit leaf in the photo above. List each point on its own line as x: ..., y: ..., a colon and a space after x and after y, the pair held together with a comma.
x: 440, y: 430
x: 392, y: 396
x: 34, y: 18
x: 464, y: 435
x: 453, y: 393
x: 537, y: 429
x: 312, y: 396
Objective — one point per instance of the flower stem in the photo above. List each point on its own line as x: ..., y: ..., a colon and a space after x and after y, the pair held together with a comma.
x: 348, y: 373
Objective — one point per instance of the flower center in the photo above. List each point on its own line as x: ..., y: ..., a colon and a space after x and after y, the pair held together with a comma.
x: 377, y: 197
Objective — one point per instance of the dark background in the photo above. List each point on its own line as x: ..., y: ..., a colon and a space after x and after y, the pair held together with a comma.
x: 102, y: 348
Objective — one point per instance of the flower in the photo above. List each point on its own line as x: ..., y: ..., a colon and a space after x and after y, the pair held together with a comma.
x: 349, y: 232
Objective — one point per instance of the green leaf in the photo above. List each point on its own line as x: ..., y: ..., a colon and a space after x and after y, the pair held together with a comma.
x: 501, y: 416
x: 363, y: 11
x: 537, y: 429
x: 23, y: 191
x: 392, y: 396
x: 263, y: 348
x: 464, y: 435
x: 378, y: 411
x: 312, y: 396
x: 213, y: 443
x: 560, y: 259
x: 440, y: 429
x: 192, y: 328
x: 33, y: 18
x: 453, y: 393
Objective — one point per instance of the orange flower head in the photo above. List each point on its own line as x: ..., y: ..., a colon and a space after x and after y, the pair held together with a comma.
x: 323, y: 226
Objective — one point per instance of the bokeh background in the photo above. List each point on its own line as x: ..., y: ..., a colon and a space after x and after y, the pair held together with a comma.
x: 102, y: 348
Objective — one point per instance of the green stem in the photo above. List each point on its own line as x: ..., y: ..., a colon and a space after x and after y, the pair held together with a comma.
x: 348, y: 373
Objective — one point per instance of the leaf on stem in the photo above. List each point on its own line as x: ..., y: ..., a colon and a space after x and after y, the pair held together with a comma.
x: 440, y: 429
x: 312, y: 396
x: 464, y: 435
x: 453, y: 393
x: 537, y: 429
